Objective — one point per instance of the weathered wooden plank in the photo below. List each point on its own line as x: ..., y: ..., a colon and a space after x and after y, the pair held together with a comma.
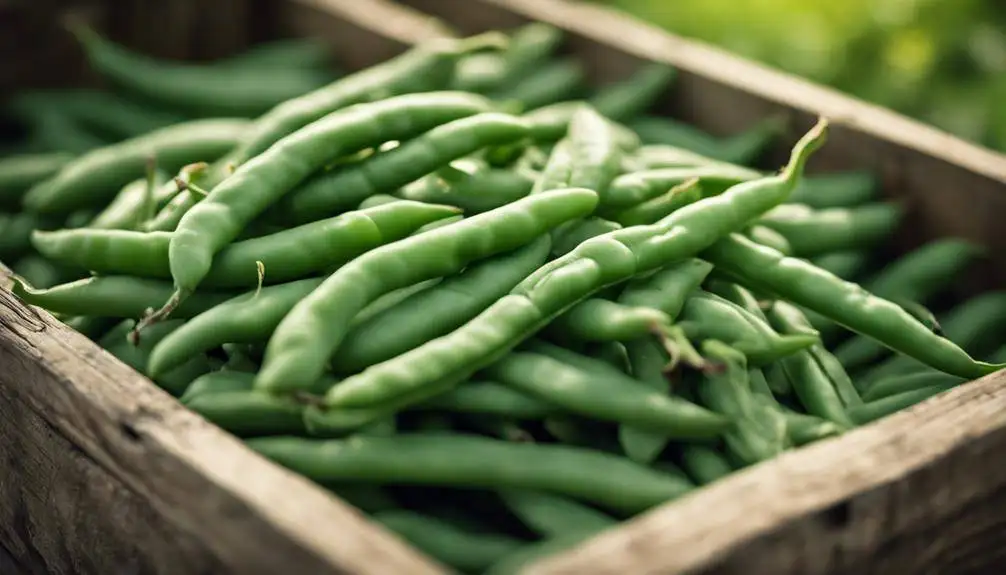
x: 104, y: 473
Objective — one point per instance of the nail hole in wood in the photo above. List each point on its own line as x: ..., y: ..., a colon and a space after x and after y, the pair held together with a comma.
x: 129, y: 431
x: 837, y: 516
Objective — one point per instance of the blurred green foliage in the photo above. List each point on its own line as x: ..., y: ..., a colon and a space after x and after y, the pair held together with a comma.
x: 942, y: 61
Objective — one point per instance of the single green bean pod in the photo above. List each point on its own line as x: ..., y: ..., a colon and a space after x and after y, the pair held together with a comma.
x: 556, y: 81
x: 476, y: 462
x: 450, y: 544
x: 94, y: 178
x: 844, y: 303
x: 19, y: 173
x: 813, y: 232
x: 840, y: 190
x: 625, y: 100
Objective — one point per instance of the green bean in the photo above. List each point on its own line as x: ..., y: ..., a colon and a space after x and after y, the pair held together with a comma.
x: 627, y: 99
x: 218, y: 382
x: 113, y: 296
x: 597, y: 263
x: 56, y: 131
x: 803, y: 429
x: 38, y: 272
x: 767, y: 236
x: 216, y: 221
x: 94, y: 178
x: 201, y: 90
x: 620, y: 400
x: 579, y: 232
x: 437, y: 311
x: 489, y: 398
x: 840, y: 190
x: 629, y: 191
x: 668, y: 288
x: 304, y: 53
x: 366, y: 498
x: 556, y: 81
x: 925, y: 271
x: 598, y: 319
x: 706, y: 316
x: 450, y: 544
x: 128, y: 210
x: 589, y: 157
x: 704, y: 464
x: 15, y: 234
x: 790, y: 319
x: 648, y: 361
x: 20, y: 172
x: 970, y: 325
x: 844, y: 303
x: 476, y: 462
x: 874, y: 410
x: 92, y: 327
x: 286, y: 255
x: 109, y: 115
x: 137, y: 356
x: 529, y: 46
x: 813, y: 232
x: 759, y: 430
x: 661, y: 156
x: 898, y: 384
x: 248, y: 318
x: 553, y: 516
x: 478, y: 193
x: 551, y: 123
x: 740, y: 148
x: 846, y: 265
x: 332, y: 192
x: 244, y: 412
x: 516, y: 562
x: 315, y: 327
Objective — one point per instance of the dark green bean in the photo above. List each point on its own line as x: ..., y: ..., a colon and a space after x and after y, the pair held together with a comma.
x: 20, y: 172
x: 840, y: 190
x: 740, y: 148
x: 899, y: 384
x: 113, y: 296
x: 94, y: 178
x: 454, y: 546
x: 553, y: 516
x: 874, y: 410
x: 629, y: 191
x: 627, y: 99
x: 557, y: 81
x: 477, y: 462
x: 704, y: 464
x: 137, y: 356
x: 621, y: 400
x: 489, y: 398
x: 813, y: 232
x: 804, y: 429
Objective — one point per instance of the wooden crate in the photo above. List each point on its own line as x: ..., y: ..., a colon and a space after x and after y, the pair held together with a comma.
x: 104, y: 473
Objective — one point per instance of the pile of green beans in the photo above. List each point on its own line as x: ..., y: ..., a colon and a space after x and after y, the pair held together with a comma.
x: 452, y: 287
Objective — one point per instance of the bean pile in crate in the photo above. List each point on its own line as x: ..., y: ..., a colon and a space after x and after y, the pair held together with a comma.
x: 496, y: 309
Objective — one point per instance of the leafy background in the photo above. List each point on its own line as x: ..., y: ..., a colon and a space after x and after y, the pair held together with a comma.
x: 941, y: 61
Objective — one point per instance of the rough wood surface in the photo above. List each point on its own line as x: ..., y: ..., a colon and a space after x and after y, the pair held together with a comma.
x: 105, y: 473
x: 951, y: 187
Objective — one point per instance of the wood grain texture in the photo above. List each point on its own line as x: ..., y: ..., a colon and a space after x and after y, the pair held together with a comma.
x: 108, y: 474
x: 950, y: 187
